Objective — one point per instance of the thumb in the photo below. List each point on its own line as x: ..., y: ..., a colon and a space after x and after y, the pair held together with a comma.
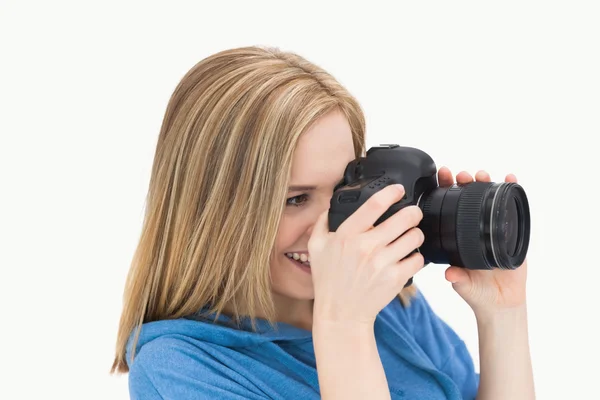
x: 458, y: 276
x: 321, y: 227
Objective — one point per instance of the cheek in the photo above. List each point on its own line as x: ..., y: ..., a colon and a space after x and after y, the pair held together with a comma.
x: 287, y: 280
x: 290, y: 230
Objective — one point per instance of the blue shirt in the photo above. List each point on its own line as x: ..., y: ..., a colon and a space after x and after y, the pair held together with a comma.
x: 194, y: 358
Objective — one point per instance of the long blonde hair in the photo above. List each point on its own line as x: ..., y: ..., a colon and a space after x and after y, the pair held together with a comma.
x: 218, y: 185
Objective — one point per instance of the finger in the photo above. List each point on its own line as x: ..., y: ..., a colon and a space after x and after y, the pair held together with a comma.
x: 459, y: 277
x: 367, y: 214
x: 400, y: 248
x: 456, y: 275
x: 482, y: 176
x: 403, y: 270
x: 511, y: 178
x: 395, y: 226
x: 445, y: 177
x: 463, y: 178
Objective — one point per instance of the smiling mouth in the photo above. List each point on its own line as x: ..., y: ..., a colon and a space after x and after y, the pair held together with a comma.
x: 301, y: 258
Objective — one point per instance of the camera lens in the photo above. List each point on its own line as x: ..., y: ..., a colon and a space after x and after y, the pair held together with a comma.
x: 481, y: 225
x: 510, y: 233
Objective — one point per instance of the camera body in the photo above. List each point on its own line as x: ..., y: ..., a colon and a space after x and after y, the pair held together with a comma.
x: 476, y: 226
x: 413, y: 168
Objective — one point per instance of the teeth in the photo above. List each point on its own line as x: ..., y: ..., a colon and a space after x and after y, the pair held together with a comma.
x: 299, y: 257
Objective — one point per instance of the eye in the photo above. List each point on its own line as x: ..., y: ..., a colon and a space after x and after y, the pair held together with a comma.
x: 297, y: 201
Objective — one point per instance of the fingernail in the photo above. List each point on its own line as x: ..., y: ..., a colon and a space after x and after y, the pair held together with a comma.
x: 400, y: 187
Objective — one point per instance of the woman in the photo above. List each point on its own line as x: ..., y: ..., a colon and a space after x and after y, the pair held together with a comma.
x: 239, y: 291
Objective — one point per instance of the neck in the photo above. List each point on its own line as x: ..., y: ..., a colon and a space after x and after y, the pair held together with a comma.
x: 298, y: 313
x: 294, y: 312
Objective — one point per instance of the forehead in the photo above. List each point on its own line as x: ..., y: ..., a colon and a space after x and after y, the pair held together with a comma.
x: 323, y: 151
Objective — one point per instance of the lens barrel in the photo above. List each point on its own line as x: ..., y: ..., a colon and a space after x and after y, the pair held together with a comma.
x: 480, y: 225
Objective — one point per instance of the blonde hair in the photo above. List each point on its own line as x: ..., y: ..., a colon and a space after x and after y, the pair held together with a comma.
x: 218, y: 185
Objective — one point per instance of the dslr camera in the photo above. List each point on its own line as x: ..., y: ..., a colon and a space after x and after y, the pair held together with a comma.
x: 480, y: 225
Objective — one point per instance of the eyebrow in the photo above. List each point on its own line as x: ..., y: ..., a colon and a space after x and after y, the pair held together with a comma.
x: 307, y: 188
x: 301, y: 188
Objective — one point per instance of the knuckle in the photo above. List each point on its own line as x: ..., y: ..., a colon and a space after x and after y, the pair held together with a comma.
x: 379, y: 203
x: 418, y: 236
x: 412, y: 214
x: 417, y: 213
x: 418, y: 260
x: 363, y: 248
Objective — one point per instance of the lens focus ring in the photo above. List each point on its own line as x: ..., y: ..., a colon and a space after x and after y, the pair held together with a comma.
x: 469, y: 227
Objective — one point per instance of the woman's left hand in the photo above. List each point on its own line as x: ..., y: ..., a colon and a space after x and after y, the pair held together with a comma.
x: 486, y: 290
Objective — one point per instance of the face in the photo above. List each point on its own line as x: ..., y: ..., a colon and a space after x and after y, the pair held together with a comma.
x: 319, y: 162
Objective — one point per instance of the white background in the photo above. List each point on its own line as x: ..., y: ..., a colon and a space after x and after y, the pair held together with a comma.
x: 508, y: 86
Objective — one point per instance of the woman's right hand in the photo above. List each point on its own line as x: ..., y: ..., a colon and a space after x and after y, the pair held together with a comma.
x: 359, y: 269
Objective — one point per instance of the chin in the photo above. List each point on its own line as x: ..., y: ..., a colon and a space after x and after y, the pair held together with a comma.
x: 290, y: 281
x: 295, y: 294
